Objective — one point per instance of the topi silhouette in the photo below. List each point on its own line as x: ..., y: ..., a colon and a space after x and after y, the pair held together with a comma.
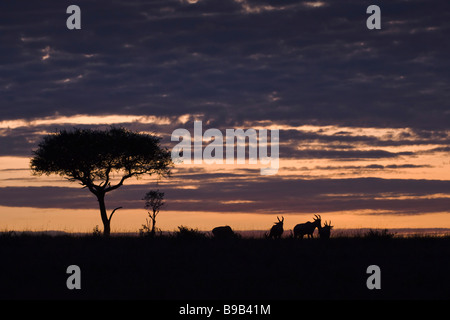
x: 324, y: 232
x: 277, y: 230
x: 307, y: 228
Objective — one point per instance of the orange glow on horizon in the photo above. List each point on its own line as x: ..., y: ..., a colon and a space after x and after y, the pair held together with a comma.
x: 417, y: 161
x: 73, y: 221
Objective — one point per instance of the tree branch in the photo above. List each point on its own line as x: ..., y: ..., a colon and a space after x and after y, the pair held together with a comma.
x: 106, y: 182
x: 113, y: 213
x: 85, y: 181
x: 110, y: 188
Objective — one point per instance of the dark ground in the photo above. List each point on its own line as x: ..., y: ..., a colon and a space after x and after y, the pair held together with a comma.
x: 34, y: 267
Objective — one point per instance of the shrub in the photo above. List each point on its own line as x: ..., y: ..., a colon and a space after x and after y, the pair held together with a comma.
x: 379, y: 234
x: 189, y: 233
x: 96, y: 232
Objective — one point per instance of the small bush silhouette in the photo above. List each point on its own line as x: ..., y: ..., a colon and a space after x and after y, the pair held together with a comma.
x: 189, y: 233
x: 96, y: 232
x: 379, y: 234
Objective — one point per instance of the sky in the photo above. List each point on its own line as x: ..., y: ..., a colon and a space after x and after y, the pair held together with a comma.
x: 363, y: 115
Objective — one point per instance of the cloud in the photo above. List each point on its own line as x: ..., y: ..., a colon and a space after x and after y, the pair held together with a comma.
x: 18, y: 137
x: 373, y: 167
x: 225, y: 58
x: 394, y: 196
x: 347, y: 154
x: 314, y: 4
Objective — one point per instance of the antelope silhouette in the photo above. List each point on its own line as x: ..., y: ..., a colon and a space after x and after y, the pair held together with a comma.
x: 324, y: 232
x: 307, y: 228
x: 223, y: 232
x: 277, y: 230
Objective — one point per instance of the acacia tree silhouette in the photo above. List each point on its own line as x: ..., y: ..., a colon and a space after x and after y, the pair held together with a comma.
x: 92, y: 157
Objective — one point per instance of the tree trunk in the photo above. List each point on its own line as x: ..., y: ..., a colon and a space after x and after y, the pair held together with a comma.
x: 103, y: 214
x: 153, y: 217
x: 152, y: 232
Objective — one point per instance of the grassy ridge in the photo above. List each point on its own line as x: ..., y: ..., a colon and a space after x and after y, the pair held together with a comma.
x: 190, y: 267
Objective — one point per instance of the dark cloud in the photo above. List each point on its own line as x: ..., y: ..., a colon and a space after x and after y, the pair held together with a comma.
x: 396, y: 196
x: 20, y: 141
x: 231, y: 60
x: 347, y: 154
x: 373, y: 167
